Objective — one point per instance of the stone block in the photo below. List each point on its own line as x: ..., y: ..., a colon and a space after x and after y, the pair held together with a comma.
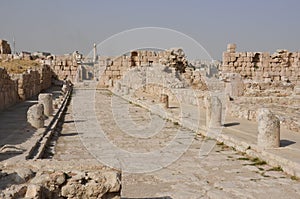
x: 108, y: 72
x: 116, y: 72
x: 35, y: 115
x: 231, y: 48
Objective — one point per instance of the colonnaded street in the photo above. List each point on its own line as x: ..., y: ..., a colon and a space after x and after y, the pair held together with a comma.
x: 223, y: 173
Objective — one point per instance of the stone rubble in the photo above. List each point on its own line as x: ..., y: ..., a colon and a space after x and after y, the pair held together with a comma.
x: 62, y: 184
x: 249, y: 80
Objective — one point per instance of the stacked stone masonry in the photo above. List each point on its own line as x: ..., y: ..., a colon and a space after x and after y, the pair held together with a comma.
x: 260, y: 80
x: 117, y: 67
x: 8, y: 90
x: 28, y: 84
x: 17, y: 87
x: 65, y: 67
x: 282, y: 66
x: 4, y: 47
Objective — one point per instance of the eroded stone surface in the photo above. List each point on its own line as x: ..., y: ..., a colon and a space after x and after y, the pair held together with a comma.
x: 222, y: 173
x: 46, y: 100
x: 268, y: 129
x: 35, y: 115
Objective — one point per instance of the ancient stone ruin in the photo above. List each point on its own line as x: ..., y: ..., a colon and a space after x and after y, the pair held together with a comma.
x: 4, y: 47
x: 246, y: 104
x: 115, y: 68
x: 262, y: 80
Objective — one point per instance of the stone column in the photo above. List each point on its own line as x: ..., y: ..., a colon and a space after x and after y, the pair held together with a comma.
x: 208, y: 110
x: 64, y: 88
x: 110, y: 83
x: 119, y: 86
x: 35, y: 115
x: 164, y: 98
x: 268, y: 129
x: 126, y: 90
x: 235, y: 87
x: 213, y: 112
x: 46, y: 100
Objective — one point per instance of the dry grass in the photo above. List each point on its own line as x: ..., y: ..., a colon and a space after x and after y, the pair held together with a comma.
x: 19, y: 66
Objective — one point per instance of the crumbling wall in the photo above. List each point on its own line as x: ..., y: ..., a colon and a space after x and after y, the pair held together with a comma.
x: 261, y: 71
x: 4, y: 47
x: 195, y: 78
x: 259, y: 79
x: 282, y: 66
x: 116, y: 68
x: 16, y: 87
x: 8, y: 90
x: 46, y: 74
x: 28, y: 84
x: 65, y: 67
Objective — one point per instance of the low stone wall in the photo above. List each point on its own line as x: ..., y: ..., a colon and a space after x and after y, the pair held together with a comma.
x: 28, y: 84
x: 46, y: 74
x: 65, y: 67
x: 33, y: 82
x: 187, y: 96
x: 16, y: 87
x: 8, y: 90
x: 286, y: 108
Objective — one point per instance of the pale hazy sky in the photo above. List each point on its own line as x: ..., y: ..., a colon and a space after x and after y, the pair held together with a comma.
x: 62, y: 26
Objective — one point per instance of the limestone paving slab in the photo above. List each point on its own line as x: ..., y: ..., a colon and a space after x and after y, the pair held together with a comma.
x: 222, y: 173
x: 241, y: 134
x: 15, y: 131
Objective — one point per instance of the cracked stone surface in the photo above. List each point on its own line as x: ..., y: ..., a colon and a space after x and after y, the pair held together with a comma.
x: 223, y: 173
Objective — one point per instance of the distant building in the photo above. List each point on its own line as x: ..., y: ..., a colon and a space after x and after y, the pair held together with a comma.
x: 41, y: 54
x: 25, y: 55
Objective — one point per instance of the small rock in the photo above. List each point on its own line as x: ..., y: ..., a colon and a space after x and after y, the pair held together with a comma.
x: 113, y: 180
x: 33, y: 191
x: 22, y: 175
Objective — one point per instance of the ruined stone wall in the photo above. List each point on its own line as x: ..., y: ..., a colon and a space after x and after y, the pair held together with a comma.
x: 32, y: 82
x: 116, y: 67
x: 17, y: 87
x: 282, y: 66
x: 28, y: 84
x: 195, y: 78
x: 4, y: 47
x: 179, y: 95
x: 262, y: 80
x: 65, y: 67
x: 46, y: 74
x: 8, y: 90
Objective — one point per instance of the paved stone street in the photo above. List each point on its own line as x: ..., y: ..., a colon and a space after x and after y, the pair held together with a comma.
x: 16, y: 133
x: 158, y: 157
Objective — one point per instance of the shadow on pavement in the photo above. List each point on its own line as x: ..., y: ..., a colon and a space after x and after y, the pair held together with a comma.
x: 284, y: 143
